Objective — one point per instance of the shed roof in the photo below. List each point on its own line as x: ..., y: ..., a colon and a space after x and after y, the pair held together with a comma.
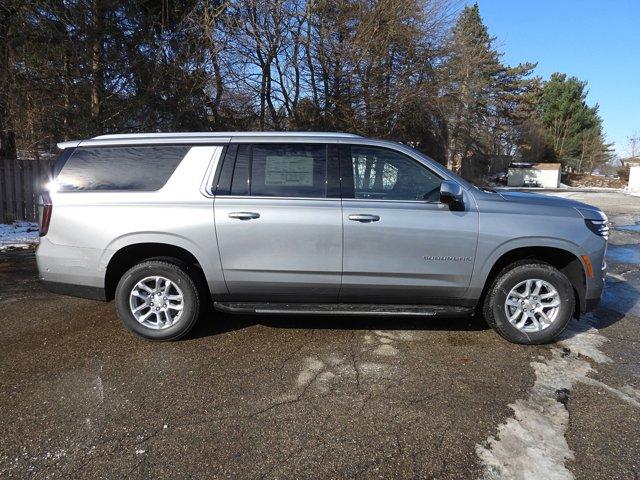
x: 537, y: 166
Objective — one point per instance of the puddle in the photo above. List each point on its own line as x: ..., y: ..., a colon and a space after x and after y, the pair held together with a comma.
x: 621, y: 297
x: 628, y: 228
x: 623, y: 254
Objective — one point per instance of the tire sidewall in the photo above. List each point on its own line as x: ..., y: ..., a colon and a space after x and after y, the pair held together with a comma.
x: 176, y: 275
x: 526, y: 272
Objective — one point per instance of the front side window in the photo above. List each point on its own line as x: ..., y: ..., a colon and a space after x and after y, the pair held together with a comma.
x: 289, y: 170
x: 120, y: 168
x: 382, y: 174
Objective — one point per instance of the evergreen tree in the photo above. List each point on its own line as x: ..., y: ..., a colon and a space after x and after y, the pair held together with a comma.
x: 573, y: 129
x: 483, y: 98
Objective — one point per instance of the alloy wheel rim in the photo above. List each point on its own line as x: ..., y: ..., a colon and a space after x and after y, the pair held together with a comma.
x: 156, y: 302
x: 532, y: 305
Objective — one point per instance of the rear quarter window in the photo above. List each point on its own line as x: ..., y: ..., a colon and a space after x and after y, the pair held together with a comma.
x: 120, y: 168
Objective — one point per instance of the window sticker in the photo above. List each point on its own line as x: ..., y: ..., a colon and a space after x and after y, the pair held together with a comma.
x: 294, y: 171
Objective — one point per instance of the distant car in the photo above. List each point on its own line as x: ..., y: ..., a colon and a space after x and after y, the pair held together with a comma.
x: 532, y: 183
x: 308, y: 223
x: 502, y: 178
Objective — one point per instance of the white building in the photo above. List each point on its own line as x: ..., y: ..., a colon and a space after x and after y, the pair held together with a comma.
x: 544, y: 175
x: 634, y: 176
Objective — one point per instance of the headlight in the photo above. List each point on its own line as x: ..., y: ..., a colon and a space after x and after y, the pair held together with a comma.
x: 599, y: 227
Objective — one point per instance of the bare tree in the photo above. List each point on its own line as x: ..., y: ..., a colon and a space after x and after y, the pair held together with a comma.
x: 9, y: 27
x: 634, y: 145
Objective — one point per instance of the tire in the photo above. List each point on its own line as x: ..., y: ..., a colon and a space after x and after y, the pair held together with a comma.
x: 182, y: 285
x: 517, y: 274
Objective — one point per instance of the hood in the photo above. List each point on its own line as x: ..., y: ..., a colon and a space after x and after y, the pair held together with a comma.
x: 586, y: 210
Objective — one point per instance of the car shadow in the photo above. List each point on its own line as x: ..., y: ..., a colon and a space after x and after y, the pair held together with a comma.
x: 620, y: 298
x: 215, y: 323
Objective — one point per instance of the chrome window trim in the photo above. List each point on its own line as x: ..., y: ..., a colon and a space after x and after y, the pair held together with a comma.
x: 359, y: 200
x: 256, y: 197
x: 206, y: 187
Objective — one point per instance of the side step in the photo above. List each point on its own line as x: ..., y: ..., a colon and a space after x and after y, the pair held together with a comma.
x: 344, y: 309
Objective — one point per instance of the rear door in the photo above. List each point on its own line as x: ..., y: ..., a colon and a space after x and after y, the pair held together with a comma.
x: 279, y: 222
x: 401, y: 245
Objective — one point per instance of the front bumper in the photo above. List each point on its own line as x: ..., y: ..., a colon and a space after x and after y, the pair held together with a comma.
x: 595, y: 287
x: 591, y: 304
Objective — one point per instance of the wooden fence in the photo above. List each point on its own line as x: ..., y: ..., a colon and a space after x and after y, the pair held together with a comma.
x: 20, y: 183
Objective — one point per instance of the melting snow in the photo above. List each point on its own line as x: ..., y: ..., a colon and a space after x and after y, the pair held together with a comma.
x: 532, y: 444
x: 18, y: 235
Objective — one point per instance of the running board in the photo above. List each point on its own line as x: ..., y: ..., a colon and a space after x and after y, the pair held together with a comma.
x: 344, y: 309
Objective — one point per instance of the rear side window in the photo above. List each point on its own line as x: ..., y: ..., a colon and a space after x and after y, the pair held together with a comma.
x: 61, y: 160
x: 289, y: 170
x: 120, y: 168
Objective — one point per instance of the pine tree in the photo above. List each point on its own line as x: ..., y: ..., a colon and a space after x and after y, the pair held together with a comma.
x: 484, y: 98
x: 573, y: 129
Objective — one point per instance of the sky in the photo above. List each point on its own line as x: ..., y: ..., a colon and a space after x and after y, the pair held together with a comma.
x: 594, y: 40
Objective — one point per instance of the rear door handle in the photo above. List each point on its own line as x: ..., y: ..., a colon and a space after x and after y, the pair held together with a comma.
x: 364, y: 217
x: 244, y: 215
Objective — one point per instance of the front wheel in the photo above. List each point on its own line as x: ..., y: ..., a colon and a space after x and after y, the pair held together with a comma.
x: 158, y: 300
x: 530, y: 303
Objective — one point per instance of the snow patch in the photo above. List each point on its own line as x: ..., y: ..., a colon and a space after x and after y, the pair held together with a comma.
x: 385, y: 341
x: 312, y: 366
x: 532, y: 444
x: 18, y: 235
x: 323, y: 382
x: 402, y: 335
x: 386, y: 350
x: 98, y: 388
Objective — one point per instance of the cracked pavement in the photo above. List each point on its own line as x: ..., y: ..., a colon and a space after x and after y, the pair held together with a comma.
x: 296, y: 397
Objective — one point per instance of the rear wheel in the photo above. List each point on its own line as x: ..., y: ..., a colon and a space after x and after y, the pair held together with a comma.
x: 158, y: 300
x: 530, y: 303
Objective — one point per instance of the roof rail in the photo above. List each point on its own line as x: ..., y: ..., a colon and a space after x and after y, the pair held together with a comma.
x: 193, y: 138
x: 124, y: 136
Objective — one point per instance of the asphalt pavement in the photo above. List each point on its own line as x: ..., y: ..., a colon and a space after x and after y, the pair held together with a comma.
x: 310, y: 397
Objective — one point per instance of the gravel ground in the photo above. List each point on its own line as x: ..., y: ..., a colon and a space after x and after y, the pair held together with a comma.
x: 305, y: 397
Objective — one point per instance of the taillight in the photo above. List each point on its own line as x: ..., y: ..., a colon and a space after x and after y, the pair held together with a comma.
x: 45, y: 207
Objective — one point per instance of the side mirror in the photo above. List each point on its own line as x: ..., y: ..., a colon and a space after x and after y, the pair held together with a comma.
x: 451, y: 192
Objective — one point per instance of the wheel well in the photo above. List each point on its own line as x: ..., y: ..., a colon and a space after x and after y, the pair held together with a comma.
x: 128, y: 256
x: 563, y: 260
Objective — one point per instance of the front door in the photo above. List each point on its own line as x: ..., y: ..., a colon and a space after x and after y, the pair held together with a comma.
x: 279, y: 227
x: 401, y: 245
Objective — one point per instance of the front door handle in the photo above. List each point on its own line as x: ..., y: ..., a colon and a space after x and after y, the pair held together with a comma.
x: 364, y: 217
x: 244, y: 215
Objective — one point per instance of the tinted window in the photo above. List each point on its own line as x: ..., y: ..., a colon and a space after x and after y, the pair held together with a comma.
x: 120, y: 168
x: 240, y: 182
x: 61, y: 160
x: 383, y: 174
x: 290, y: 170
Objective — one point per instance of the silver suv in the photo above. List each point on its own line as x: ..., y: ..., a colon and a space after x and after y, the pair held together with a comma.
x: 315, y: 223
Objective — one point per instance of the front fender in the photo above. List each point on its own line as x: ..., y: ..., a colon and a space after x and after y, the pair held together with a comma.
x: 482, y: 270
